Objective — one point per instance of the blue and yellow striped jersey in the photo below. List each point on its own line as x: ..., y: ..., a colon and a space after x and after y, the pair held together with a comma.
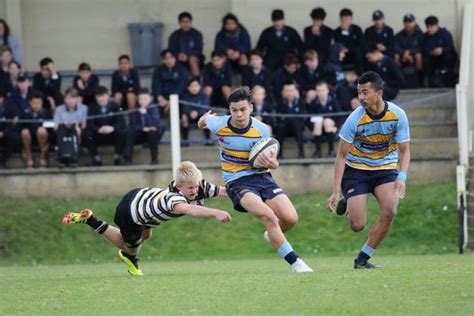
x: 374, y: 138
x: 235, y: 145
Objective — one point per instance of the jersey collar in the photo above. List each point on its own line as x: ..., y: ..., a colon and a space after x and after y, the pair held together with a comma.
x: 378, y: 116
x: 239, y: 130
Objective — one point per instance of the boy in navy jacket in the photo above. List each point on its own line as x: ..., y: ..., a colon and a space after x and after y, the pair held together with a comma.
x: 124, y: 79
x: 144, y: 127
x: 278, y: 40
x: 408, y: 44
x: 388, y: 69
x: 256, y: 73
x: 86, y: 83
x: 169, y: 78
x: 217, y: 79
x: 380, y: 34
x: 234, y: 40
x: 318, y: 36
x: 107, y: 129
x: 186, y: 44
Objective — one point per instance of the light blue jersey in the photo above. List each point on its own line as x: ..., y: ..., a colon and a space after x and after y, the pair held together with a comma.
x: 375, y: 138
x: 235, y: 145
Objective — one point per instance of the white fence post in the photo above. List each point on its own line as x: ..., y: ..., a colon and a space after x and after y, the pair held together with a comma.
x: 175, y: 131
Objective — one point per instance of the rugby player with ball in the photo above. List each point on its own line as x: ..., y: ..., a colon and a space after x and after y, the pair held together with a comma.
x: 247, y: 152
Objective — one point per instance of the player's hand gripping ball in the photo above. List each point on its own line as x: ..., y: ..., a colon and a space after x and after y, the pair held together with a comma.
x: 268, y: 145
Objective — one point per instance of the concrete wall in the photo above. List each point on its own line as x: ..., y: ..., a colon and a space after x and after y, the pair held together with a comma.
x: 72, y: 31
x: 295, y: 178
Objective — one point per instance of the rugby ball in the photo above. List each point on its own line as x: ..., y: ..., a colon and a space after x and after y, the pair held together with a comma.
x: 268, y: 145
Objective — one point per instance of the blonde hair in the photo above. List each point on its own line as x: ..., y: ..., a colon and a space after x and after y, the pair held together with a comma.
x: 187, y: 173
x: 258, y: 88
x: 310, y: 55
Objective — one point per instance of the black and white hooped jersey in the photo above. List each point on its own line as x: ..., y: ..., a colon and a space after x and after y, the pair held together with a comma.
x: 152, y: 206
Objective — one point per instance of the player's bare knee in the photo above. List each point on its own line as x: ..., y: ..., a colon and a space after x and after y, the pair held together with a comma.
x: 388, y: 214
x: 291, y: 219
x: 269, y: 219
x: 357, y: 226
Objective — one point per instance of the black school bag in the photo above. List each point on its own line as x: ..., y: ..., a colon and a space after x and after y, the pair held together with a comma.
x: 67, y: 149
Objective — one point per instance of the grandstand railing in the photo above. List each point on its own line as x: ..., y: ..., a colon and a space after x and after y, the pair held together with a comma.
x: 464, y: 96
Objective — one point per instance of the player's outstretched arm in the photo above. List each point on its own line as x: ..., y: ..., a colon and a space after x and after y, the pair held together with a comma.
x: 202, y: 120
x: 202, y: 211
x: 344, y: 148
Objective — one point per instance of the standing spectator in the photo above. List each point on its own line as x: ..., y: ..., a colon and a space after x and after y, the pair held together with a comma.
x: 72, y: 113
x: 256, y: 73
x: 408, y: 50
x: 18, y: 100
x: 291, y: 104
x: 311, y: 73
x: 217, y: 79
x: 186, y: 43
x: 86, y: 83
x: 287, y: 73
x: 234, y: 40
x: 334, y: 69
x: 144, y: 127
x: 48, y: 82
x: 346, y: 91
x: 318, y: 36
x: 191, y: 114
x: 263, y: 108
x: 7, y: 39
x: 169, y: 78
x: 124, y: 79
x: 107, y: 129
x: 388, y: 69
x: 6, y: 57
x: 34, y: 132
x: 325, y: 103
x: 351, y: 36
x: 278, y: 40
x: 380, y: 34
x: 439, y: 55
x: 9, y: 139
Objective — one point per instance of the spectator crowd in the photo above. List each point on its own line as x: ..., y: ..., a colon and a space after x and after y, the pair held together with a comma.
x: 314, y: 75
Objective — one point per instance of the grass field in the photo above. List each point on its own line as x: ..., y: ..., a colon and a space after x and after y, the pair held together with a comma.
x: 31, y: 232
x: 409, y: 285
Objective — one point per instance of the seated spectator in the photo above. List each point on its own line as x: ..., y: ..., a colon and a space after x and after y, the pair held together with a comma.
x: 107, y: 129
x: 7, y: 39
x: 262, y: 107
x: 388, y: 69
x: 217, y: 79
x: 380, y: 35
x: 346, y: 90
x: 408, y: 51
x: 9, y: 138
x: 234, y: 40
x: 124, y: 79
x: 18, y: 100
x: 290, y: 103
x: 311, y: 73
x: 439, y: 54
x: 191, y: 114
x: 71, y: 113
x: 186, y: 43
x: 288, y: 72
x: 325, y: 103
x: 48, y: 82
x: 334, y: 69
x: 256, y: 73
x: 14, y: 71
x: 169, y: 78
x: 318, y: 36
x: 6, y: 57
x: 278, y: 40
x: 86, y: 83
x: 144, y: 127
x: 351, y: 36
x: 35, y: 133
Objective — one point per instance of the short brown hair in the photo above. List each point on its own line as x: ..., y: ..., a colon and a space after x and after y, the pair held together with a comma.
x: 71, y: 92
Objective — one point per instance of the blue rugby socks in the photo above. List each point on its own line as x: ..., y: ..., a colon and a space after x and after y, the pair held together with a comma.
x: 286, y: 251
x: 365, y: 253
